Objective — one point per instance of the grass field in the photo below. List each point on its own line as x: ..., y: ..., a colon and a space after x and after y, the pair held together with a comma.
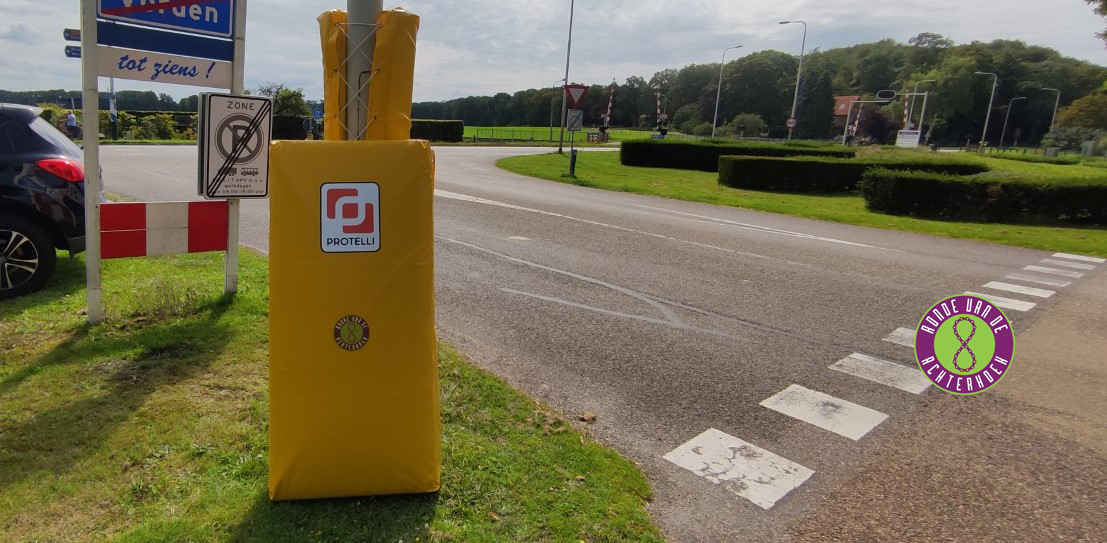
x: 542, y: 133
x: 603, y: 170
x: 153, y: 427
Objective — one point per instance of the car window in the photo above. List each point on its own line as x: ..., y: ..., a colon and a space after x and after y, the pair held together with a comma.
x: 57, y: 140
x: 15, y: 137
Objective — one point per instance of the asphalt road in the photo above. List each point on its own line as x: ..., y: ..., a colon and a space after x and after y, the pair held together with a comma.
x: 668, y: 318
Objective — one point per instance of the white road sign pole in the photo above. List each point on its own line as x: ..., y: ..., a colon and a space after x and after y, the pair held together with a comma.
x: 91, y: 111
x: 361, y: 39
x: 238, y: 86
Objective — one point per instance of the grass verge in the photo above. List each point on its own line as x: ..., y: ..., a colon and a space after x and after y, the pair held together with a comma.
x: 603, y: 170
x: 152, y: 427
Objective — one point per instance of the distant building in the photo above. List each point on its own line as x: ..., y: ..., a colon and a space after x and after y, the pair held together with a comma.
x: 841, y: 109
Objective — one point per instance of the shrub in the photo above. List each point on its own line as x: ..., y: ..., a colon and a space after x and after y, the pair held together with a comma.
x: 820, y: 174
x: 704, y: 155
x: 702, y: 129
x: 1060, y: 161
x: 434, y: 130
x: 158, y: 127
x: 933, y: 195
x: 289, y: 127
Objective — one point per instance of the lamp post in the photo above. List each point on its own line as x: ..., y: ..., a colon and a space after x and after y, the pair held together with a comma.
x: 719, y: 91
x: 799, y: 71
x: 1055, y: 104
x: 911, y: 110
x: 988, y: 117
x: 552, y: 100
x: 1006, y: 118
x: 568, y: 50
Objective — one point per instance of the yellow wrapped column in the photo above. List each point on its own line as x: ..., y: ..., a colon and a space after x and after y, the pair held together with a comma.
x: 394, y: 66
x: 353, y: 375
x: 333, y: 38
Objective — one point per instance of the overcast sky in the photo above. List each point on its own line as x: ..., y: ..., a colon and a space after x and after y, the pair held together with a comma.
x: 472, y: 47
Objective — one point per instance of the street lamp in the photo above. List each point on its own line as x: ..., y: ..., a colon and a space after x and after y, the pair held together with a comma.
x: 988, y: 117
x: 1055, y: 104
x: 911, y: 110
x: 552, y: 100
x: 719, y: 91
x: 568, y: 50
x: 799, y: 71
x: 1006, y: 118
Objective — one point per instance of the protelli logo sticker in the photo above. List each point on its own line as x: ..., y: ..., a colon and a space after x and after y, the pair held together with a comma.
x: 964, y: 344
x: 349, y: 218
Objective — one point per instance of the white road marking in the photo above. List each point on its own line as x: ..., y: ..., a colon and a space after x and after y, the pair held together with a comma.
x: 1079, y: 257
x: 1029, y: 291
x: 757, y: 228
x: 1006, y: 303
x: 474, y: 199
x: 519, y: 238
x: 1063, y: 264
x: 1039, y: 280
x: 905, y: 378
x: 742, y: 468
x: 1054, y: 271
x: 902, y: 336
x: 825, y: 411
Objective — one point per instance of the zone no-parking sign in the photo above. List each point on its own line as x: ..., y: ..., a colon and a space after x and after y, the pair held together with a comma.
x: 234, y: 145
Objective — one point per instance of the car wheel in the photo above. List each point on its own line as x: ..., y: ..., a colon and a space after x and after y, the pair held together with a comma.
x: 27, y: 257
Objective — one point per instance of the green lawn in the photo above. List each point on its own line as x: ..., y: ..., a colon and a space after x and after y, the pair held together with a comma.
x: 603, y: 170
x: 152, y: 427
x: 542, y: 133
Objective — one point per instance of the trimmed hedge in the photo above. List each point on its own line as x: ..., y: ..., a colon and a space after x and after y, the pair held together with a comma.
x: 289, y: 127
x: 704, y: 155
x: 819, y: 174
x: 434, y: 130
x: 1038, y: 159
x: 933, y: 195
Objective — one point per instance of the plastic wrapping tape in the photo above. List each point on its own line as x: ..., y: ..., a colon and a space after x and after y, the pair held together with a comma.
x: 353, y: 372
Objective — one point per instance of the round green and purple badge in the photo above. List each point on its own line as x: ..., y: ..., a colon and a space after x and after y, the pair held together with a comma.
x: 964, y: 344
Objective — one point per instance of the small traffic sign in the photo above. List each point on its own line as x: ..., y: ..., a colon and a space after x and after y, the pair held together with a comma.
x: 790, y: 123
x: 317, y: 114
x: 72, y: 34
x: 234, y: 145
x: 575, y: 92
x: 73, y: 51
x: 575, y: 121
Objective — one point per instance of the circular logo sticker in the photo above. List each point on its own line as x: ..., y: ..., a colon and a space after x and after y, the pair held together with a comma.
x: 964, y: 344
x: 351, y: 332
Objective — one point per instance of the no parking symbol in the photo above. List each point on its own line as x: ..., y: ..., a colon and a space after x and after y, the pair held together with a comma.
x: 234, y: 146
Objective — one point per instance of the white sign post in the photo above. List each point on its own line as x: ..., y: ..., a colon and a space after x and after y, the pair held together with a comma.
x: 205, y: 47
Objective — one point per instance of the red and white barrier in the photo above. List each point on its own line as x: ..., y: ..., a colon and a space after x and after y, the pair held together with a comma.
x: 129, y: 229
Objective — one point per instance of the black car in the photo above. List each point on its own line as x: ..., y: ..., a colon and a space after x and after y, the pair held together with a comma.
x: 42, y: 195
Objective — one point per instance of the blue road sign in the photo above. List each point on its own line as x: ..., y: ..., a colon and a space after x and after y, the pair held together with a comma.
x: 73, y: 51
x: 208, y: 17
x: 159, y: 41
x: 72, y: 34
x: 317, y: 114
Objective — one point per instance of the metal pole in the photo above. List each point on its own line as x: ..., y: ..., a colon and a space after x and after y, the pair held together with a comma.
x: 568, y: 51
x: 1011, y: 104
x: 1055, y: 105
x: 361, y: 39
x: 799, y: 71
x: 911, y: 109
x: 922, y: 115
x: 91, y: 107
x: 719, y: 91
x: 988, y: 117
x: 238, y: 86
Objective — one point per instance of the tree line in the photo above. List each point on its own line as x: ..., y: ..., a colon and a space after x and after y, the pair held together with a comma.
x: 760, y: 86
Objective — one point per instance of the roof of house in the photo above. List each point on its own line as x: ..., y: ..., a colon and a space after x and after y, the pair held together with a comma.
x: 841, y: 103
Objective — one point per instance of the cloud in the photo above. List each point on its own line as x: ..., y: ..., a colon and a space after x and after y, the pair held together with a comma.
x: 469, y: 47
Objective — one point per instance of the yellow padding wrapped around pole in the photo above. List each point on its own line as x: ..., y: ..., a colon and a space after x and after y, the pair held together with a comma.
x: 353, y: 370
x: 394, y: 76
x: 331, y: 25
